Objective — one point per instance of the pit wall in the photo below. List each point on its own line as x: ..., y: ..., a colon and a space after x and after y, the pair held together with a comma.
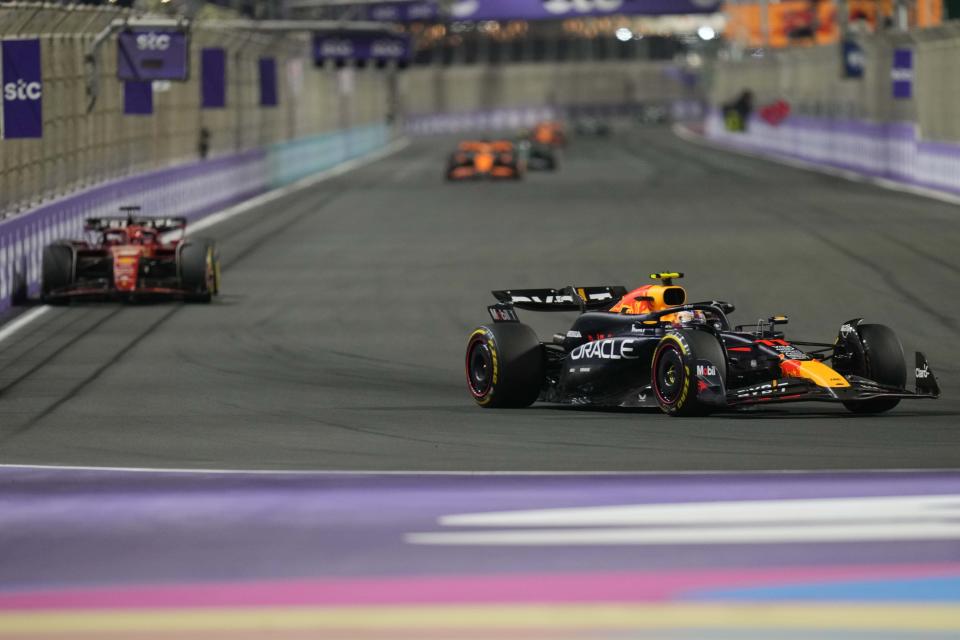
x: 854, y: 124
x: 443, y: 99
x: 193, y: 190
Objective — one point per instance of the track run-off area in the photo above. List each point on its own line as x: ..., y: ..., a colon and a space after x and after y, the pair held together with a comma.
x: 301, y: 458
x: 338, y: 341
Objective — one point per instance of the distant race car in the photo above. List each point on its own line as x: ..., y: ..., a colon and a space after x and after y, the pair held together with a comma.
x: 650, y: 348
x: 131, y: 258
x: 475, y: 159
x: 589, y: 126
x: 538, y: 157
x: 549, y: 133
x: 653, y: 114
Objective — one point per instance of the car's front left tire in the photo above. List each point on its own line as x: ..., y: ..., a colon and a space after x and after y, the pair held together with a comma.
x: 883, y: 361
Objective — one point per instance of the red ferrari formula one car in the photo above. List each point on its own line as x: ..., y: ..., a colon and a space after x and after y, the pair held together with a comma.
x: 480, y: 159
x: 131, y: 258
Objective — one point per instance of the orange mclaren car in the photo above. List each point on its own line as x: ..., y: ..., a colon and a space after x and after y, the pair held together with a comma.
x: 550, y: 133
x: 474, y: 159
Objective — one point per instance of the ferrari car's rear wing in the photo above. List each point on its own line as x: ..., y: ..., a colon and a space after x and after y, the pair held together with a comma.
x: 567, y: 299
x: 162, y: 225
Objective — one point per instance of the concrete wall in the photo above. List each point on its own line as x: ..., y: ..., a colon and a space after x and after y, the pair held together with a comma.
x: 810, y: 80
x: 482, y: 88
x: 855, y: 124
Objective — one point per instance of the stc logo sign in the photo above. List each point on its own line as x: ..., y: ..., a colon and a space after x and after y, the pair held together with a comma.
x: 336, y: 49
x: 545, y: 9
x: 387, y: 49
x: 22, y: 84
x: 153, y: 55
x: 468, y: 8
x: 22, y: 90
x: 153, y: 41
x: 561, y: 7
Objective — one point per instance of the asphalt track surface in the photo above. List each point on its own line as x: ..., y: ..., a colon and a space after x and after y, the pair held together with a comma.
x: 338, y: 342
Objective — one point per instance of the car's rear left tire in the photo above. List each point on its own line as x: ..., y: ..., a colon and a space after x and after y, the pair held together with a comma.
x: 673, y: 374
x: 504, y: 365
x: 199, y: 266
x: 57, y: 272
x: 883, y: 362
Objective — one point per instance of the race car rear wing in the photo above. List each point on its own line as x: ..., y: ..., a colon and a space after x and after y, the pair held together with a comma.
x: 567, y: 299
x: 161, y: 225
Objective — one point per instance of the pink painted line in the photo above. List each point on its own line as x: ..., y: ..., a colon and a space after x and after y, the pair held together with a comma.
x: 508, y: 588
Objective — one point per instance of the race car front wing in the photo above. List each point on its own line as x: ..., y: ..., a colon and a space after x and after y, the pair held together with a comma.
x: 802, y: 390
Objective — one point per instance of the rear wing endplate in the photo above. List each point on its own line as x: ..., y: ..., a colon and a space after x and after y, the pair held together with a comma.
x: 568, y: 299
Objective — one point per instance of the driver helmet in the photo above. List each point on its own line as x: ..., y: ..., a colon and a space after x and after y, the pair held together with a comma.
x: 682, y: 318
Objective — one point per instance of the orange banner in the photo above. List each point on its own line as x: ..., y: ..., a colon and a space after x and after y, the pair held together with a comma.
x: 807, y: 22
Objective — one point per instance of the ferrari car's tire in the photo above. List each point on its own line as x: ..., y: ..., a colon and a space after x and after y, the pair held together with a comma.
x: 673, y: 374
x: 505, y: 365
x: 58, y: 272
x: 883, y: 362
x: 199, y: 270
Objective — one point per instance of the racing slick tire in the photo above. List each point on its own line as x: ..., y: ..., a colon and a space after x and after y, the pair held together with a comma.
x: 505, y: 366
x: 883, y: 362
x: 57, y: 272
x: 199, y: 270
x: 673, y: 371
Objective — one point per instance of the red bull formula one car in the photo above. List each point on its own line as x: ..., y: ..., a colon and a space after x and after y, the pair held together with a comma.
x: 481, y: 159
x: 650, y: 347
x: 131, y: 258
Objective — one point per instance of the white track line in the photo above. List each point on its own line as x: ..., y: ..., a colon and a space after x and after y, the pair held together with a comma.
x: 853, y: 176
x: 347, y: 472
x: 21, y: 321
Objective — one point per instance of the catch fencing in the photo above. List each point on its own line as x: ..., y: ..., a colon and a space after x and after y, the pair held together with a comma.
x: 80, y: 149
x: 900, y: 119
x: 89, y: 163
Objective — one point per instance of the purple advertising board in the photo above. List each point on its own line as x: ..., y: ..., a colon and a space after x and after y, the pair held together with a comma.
x: 138, y: 97
x: 535, y: 9
x: 154, y: 54
x: 22, y: 81
x: 360, y: 46
x: 213, y: 78
x: 404, y: 11
x: 268, y: 82
x: 902, y: 74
